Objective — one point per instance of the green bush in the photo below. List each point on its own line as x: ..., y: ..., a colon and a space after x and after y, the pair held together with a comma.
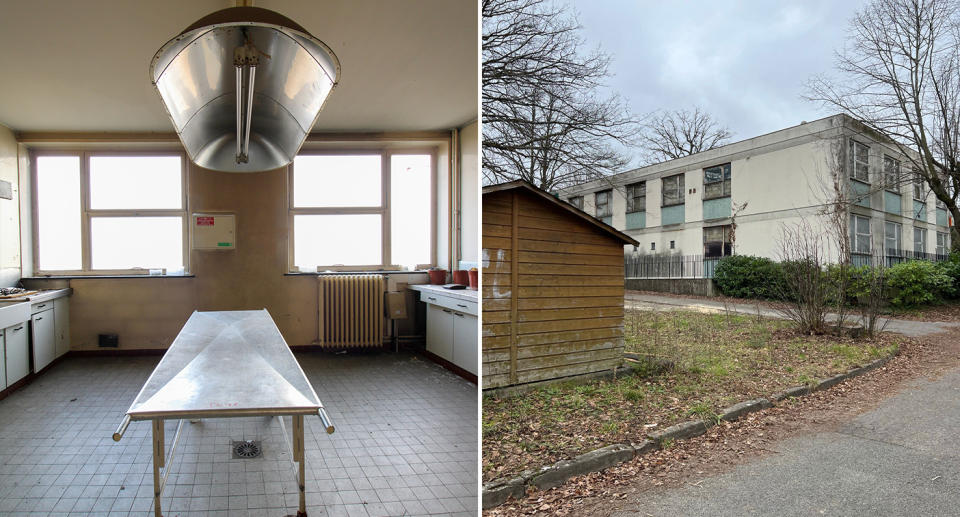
x: 951, y: 268
x: 918, y: 282
x: 743, y: 276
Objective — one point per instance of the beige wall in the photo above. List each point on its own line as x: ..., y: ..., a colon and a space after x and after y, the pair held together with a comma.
x: 9, y: 212
x: 469, y: 193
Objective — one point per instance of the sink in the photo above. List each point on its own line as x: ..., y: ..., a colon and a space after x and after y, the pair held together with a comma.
x: 12, y: 313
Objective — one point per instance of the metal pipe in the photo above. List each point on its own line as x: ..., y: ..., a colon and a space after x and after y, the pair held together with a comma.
x: 239, y: 108
x: 169, y: 460
x: 246, y: 138
x: 325, y: 420
x: 122, y: 428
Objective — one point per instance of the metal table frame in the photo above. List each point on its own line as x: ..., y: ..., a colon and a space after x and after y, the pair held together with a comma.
x: 162, y: 461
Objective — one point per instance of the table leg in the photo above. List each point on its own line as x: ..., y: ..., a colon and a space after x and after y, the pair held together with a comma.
x: 298, y: 457
x: 158, y: 461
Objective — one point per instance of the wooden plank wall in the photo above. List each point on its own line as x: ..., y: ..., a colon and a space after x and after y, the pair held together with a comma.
x: 552, y: 292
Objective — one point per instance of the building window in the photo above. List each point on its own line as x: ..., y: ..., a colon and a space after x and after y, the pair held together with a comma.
x: 919, y: 240
x: 673, y: 190
x: 602, y: 202
x: 716, y: 181
x: 891, y: 174
x: 653, y: 246
x: 859, y: 161
x: 134, y: 218
x: 859, y: 234
x: 362, y: 210
x: 673, y: 245
x: 716, y: 241
x: 891, y: 238
x: 919, y: 187
x: 942, y: 244
x: 637, y: 197
x: 576, y: 201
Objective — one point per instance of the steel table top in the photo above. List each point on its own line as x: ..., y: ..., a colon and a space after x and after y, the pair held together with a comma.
x: 226, y: 364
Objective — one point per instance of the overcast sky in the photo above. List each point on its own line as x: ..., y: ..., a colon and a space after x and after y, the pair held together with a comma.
x: 745, y: 62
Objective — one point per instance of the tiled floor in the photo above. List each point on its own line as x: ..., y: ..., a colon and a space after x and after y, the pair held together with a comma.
x: 406, y: 444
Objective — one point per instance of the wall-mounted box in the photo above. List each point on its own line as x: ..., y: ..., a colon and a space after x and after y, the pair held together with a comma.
x: 213, y: 231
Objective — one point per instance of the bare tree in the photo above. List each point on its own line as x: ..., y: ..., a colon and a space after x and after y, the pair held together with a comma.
x: 900, y: 76
x: 544, y: 117
x: 805, y: 290
x: 668, y: 135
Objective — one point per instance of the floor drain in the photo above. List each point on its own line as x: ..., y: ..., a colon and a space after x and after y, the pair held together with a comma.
x: 246, y: 449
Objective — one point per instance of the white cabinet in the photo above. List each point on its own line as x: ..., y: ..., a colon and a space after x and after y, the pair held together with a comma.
x: 61, y: 320
x: 3, y: 360
x: 16, y: 352
x: 43, y: 330
x: 440, y: 331
x: 465, y: 341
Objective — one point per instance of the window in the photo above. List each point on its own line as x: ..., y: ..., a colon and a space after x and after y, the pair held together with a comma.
x: 576, y: 201
x: 859, y: 234
x: 602, y: 201
x: 716, y: 181
x: 942, y: 244
x: 859, y: 161
x: 716, y: 241
x: 919, y: 240
x: 637, y: 197
x: 134, y: 217
x: 673, y: 245
x: 919, y: 187
x: 673, y: 190
x: 653, y: 246
x: 891, y: 238
x: 891, y: 174
x: 362, y: 210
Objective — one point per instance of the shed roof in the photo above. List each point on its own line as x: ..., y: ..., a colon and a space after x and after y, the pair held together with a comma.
x: 549, y: 198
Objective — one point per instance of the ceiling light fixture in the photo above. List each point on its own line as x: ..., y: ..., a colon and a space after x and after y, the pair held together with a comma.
x: 281, y: 77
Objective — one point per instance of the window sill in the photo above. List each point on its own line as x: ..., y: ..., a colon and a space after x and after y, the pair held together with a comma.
x: 674, y: 204
x: 100, y: 277
x: 372, y: 272
x: 860, y: 181
x: 725, y: 196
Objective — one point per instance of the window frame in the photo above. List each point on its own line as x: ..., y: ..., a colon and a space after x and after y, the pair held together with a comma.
x: 892, y: 186
x: 87, y: 213
x: 898, y: 240
x: 855, y: 236
x: 632, y: 197
x: 383, y: 210
x: 726, y: 244
x: 942, y: 249
x: 725, y: 175
x: 922, y: 232
x: 681, y: 185
x: 608, y: 204
x: 853, y: 160
x: 578, y: 204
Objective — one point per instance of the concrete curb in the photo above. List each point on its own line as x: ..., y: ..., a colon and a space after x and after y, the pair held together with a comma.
x: 497, y: 492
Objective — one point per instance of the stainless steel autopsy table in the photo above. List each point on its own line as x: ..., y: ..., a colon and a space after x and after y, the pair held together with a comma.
x: 225, y: 364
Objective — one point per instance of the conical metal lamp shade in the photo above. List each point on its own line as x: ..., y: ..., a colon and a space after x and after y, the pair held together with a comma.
x: 197, y: 75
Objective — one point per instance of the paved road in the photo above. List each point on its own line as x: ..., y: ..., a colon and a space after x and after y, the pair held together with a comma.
x: 899, y: 459
x: 634, y: 300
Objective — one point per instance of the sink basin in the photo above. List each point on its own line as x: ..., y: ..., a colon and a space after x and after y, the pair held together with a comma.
x: 12, y: 313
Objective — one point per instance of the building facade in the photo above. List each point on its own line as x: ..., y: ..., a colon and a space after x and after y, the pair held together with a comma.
x: 736, y: 199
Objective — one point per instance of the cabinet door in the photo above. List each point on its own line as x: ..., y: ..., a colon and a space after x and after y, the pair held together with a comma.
x: 465, y: 341
x: 3, y: 362
x: 440, y: 331
x: 61, y: 319
x: 18, y: 352
x: 42, y: 328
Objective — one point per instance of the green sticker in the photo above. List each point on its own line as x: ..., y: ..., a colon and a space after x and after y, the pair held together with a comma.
x: 224, y: 244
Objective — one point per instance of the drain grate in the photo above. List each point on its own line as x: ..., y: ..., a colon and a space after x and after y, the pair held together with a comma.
x: 246, y: 449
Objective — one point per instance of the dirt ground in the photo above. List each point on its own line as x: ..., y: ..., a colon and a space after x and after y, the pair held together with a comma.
x: 727, y: 445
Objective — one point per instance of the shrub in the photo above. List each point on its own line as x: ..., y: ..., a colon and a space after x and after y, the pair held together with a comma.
x: 743, y: 276
x: 951, y: 268
x: 918, y: 282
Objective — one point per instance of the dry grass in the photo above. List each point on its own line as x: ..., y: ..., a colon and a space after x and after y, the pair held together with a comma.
x: 719, y: 360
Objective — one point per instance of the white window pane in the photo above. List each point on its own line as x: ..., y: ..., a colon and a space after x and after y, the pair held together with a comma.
x: 58, y: 213
x: 329, y: 240
x: 410, y: 210
x: 136, y: 242
x: 333, y: 180
x: 135, y: 182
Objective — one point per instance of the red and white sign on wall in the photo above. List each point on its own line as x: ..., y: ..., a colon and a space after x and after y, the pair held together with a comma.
x: 204, y: 221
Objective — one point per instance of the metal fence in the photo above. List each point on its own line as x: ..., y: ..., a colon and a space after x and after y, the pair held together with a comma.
x: 894, y: 256
x: 669, y: 266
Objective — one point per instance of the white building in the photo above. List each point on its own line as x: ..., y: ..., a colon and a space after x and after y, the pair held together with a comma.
x: 686, y: 206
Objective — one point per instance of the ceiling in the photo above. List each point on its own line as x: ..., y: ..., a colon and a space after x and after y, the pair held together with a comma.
x: 83, y: 66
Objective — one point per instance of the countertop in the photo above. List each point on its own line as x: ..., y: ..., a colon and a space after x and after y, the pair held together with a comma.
x: 468, y: 295
x: 42, y: 296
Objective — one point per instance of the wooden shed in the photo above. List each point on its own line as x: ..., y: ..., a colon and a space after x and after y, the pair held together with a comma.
x: 552, y: 288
